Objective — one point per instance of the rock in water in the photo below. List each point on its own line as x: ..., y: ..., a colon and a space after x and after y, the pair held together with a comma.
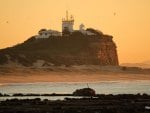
x: 84, y: 92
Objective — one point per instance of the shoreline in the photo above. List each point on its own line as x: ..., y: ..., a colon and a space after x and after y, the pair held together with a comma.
x: 71, y: 78
x: 71, y: 82
x: 70, y: 74
x: 67, y: 94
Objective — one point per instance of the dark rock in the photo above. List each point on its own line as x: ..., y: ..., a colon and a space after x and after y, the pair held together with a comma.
x: 84, y: 92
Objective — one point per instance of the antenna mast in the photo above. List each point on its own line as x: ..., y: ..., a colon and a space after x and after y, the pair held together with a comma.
x: 67, y: 15
x: 87, y: 85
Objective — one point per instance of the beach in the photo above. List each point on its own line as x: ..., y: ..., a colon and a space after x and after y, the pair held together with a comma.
x: 94, y: 74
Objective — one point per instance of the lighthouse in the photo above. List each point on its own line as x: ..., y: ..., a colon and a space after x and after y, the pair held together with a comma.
x: 67, y: 24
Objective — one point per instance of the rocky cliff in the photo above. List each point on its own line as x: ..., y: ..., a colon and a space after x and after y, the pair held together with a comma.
x: 76, y: 49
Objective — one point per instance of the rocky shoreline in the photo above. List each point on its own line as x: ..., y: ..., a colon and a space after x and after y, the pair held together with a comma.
x: 123, y: 103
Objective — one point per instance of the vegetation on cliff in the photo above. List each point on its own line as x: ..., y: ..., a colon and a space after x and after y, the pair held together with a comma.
x: 76, y: 49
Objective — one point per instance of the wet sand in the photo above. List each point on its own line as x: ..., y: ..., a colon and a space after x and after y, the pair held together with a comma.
x: 47, y: 75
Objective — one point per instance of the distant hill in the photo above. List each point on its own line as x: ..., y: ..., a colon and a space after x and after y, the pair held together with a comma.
x: 75, y: 49
x: 145, y: 64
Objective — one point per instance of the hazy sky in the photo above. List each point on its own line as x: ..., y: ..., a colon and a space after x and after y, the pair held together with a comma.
x: 127, y: 20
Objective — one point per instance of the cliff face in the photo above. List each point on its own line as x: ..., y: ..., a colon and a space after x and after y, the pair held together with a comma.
x: 107, y: 53
x: 76, y: 49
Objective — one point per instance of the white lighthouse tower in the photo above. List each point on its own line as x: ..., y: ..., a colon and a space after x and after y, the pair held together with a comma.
x: 67, y: 23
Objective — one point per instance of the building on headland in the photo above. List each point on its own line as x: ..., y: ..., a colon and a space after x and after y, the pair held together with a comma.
x: 44, y: 33
x: 83, y: 31
x: 67, y: 29
x: 67, y: 24
x: 66, y: 48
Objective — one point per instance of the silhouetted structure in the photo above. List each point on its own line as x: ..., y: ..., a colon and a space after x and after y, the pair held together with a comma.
x: 84, y: 92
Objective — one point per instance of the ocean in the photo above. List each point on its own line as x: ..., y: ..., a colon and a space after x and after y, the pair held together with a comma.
x: 101, y: 87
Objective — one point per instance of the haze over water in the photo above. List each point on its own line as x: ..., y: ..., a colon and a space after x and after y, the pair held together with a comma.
x: 102, y: 87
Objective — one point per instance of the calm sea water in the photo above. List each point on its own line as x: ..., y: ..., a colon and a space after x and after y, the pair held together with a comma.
x: 103, y: 87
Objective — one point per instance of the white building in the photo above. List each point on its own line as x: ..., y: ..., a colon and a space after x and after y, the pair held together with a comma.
x: 44, y: 33
x: 83, y: 31
x: 67, y: 23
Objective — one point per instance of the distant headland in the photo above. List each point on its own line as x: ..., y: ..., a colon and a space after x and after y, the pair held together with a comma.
x: 69, y: 47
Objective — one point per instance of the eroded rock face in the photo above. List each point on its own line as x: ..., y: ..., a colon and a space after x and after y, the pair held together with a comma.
x: 107, y: 53
x: 72, y: 50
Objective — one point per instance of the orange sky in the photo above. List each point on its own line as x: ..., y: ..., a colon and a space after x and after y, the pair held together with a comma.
x: 20, y: 19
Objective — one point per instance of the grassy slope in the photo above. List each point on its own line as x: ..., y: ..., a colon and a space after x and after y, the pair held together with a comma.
x: 58, y: 50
